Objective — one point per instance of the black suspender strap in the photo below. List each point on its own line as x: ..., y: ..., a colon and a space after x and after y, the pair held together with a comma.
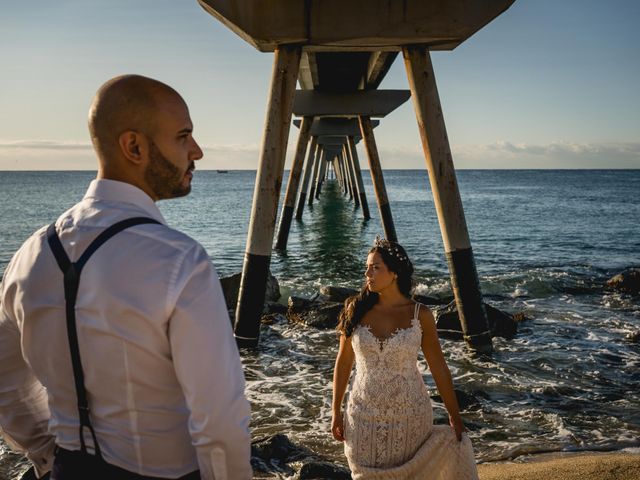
x: 71, y: 271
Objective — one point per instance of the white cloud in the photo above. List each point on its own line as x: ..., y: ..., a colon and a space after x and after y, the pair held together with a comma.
x: 54, y: 155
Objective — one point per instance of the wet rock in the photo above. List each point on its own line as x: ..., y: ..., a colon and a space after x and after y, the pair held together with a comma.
x: 298, y: 304
x: 273, y: 318
x: 231, y: 285
x: 501, y: 324
x: 323, y: 315
x: 425, y: 300
x: 627, y: 281
x: 634, y: 337
x: 323, y: 470
x: 271, y: 457
x: 466, y: 401
x: 337, y: 294
x: 277, y: 448
x: 271, y: 308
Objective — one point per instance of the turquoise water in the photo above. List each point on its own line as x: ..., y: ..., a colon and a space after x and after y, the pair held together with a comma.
x: 545, y: 243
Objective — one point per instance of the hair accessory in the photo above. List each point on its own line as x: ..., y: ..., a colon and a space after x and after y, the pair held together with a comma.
x: 392, y: 249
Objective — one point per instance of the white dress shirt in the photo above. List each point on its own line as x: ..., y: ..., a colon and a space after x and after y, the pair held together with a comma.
x: 162, y: 370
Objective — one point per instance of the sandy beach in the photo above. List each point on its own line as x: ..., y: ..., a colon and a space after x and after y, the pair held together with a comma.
x: 582, y: 466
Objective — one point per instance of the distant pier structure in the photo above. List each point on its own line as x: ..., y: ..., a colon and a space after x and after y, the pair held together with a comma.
x: 339, y: 51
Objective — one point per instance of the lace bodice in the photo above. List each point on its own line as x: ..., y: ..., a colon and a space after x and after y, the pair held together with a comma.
x: 387, y: 380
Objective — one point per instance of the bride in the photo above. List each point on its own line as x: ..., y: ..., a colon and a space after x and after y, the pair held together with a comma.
x: 387, y: 427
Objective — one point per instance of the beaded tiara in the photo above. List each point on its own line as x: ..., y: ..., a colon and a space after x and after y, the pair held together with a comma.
x: 391, y: 248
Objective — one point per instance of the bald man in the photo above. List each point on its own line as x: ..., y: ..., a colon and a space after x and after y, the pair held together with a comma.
x: 117, y: 359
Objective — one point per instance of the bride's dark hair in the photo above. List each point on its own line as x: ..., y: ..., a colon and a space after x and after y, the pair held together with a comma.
x: 356, y: 306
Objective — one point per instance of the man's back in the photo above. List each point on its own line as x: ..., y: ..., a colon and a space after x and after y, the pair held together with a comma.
x: 154, y: 336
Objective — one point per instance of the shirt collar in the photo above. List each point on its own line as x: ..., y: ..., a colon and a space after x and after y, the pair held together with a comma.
x: 121, y: 192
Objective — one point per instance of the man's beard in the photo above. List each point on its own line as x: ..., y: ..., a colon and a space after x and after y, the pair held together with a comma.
x: 164, y: 178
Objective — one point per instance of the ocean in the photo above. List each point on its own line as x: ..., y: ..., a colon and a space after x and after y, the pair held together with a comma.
x: 545, y: 243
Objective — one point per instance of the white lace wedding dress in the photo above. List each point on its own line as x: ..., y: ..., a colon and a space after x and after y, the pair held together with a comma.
x: 389, y: 431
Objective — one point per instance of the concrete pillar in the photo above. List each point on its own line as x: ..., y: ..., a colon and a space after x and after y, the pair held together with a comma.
x: 358, y: 174
x: 313, y: 152
x: 377, y: 178
x: 345, y: 186
x: 336, y: 169
x: 264, y: 210
x: 292, y: 185
x: 437, y: 152
x: 321, y: 174
x: 352, y: 175
x: 347, y: 172
x: 314, y: 175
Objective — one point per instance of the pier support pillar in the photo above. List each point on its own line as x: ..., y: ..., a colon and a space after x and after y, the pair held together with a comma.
x: 352, y: 175
x: 377, y: 178
x: 322, y: 172
x: 336, y: 169
x: 358, y: 174
x: 437, y: 152
x: 345, y: 183
x: 264, y: 210
x: 314, y: 175
x: 347, y: 174
x: 314, y: 151
x: 292, y: 185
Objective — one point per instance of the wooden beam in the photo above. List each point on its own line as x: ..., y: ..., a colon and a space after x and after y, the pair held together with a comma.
x: 371, y: 103
x: 379, y: 64
x: 337, y: 126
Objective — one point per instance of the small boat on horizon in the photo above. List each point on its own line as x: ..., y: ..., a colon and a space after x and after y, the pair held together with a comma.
x: 222, y: 171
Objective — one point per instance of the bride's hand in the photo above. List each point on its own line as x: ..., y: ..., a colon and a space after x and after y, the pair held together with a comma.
x: 458, y: 426
x: 337, y: 427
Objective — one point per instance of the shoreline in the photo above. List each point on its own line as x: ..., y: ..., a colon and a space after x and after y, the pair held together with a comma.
x: 588, y: 465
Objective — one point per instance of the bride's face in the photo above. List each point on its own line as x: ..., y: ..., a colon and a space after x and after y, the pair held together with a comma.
x: 377, y: 274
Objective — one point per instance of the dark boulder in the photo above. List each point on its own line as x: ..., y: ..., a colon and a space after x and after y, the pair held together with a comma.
x: 627, y: 282
x: 425, y: 300
x: 501, y: 324
x: 466, y: 401
x: 316, y: 470
x: 231, y: 286
x: 634, y: 337
x: 337, y: 294
x: 322, y: 315
x: 271, y: 458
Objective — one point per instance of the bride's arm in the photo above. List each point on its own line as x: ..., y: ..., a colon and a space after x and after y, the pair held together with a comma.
x: 439, y: 370
x: 341, y: 374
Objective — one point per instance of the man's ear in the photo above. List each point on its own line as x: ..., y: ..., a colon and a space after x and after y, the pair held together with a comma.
x: 133, y: 146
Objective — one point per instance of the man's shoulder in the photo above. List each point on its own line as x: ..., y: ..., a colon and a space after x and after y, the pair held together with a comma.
x: 169, y: 236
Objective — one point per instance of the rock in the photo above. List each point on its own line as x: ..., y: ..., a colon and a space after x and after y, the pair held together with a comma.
x: 271, y: 456
x: 323, y: 315
x: 337, y: 294
x: 423, y: 299
x: 627, y: 281
x: 277, y: 447
x: 448, y: 323
x: 634, y: 337
x: 298, y: 304
x: 466, y: 401
x: 231, y: 285
x: 272, y: 318
x: 500, y: 323
x: 323, y: 470
x: 271, y: 308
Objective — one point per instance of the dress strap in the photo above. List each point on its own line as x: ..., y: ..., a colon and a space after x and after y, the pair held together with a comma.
x: 416, y: 311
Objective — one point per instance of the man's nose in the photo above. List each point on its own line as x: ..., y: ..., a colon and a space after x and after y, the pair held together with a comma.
x: 197, y: 151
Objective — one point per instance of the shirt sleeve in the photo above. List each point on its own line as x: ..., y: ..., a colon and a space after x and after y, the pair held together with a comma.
x: 208, y: 367
x: 24, y: 409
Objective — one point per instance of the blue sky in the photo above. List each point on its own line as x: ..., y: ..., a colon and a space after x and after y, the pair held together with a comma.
x: 548, y: 84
